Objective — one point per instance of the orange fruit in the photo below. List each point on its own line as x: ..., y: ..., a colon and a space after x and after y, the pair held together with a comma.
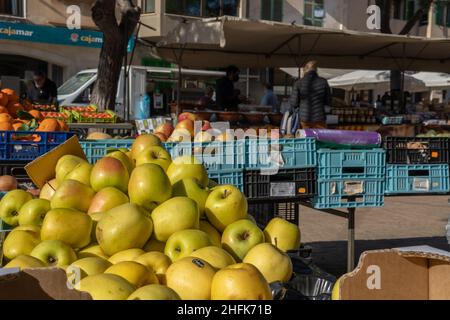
x: 48, y: 125
x: 36, y: 114
x: 3, y: 99
x: 3, y: 109
x: 6, y: 126
x: 63, y: 126
x: 12, y: 95
x: 14, y: 108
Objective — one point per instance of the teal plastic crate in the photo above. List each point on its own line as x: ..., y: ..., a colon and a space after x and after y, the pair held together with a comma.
x: 229, y: 177
x: 337, y: 194
x: 351, y: 164
x: 282, y: 153
x: 215, y: 156
x: 417, y: 179
x: 95, y: 150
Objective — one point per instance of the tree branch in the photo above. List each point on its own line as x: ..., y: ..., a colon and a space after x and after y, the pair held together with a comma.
x: 416, y: 18
x: 130, y: 16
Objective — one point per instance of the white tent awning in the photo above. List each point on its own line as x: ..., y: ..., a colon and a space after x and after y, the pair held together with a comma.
x: 434, y: 80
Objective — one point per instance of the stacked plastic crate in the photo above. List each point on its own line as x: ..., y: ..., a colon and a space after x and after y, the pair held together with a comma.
x: 417, y: 165
x: 350, y: 178
x: 278, y: 173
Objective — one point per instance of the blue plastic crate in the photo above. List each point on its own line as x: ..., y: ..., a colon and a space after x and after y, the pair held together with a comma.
x: 336, y: 194
x: 215, y: 156
x: 414, y: 179
x: 29, y: 145
x: 351, y: 164
x: 95, y: 150
x: 283, y: 153
x: 229, y: 177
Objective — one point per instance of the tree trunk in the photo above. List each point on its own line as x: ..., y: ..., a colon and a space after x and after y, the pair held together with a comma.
x: 115, y: 36
x: 109, y: 68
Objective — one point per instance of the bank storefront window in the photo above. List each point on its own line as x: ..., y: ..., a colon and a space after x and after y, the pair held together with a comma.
x: 12, y: 8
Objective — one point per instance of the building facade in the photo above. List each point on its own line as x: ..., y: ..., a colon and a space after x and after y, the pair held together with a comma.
x: 34, y: 36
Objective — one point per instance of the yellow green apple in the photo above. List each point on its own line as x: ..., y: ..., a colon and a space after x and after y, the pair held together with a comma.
x: 156, y: 155
x: 48, y: 190
x: 283, y: 234
x: 65, y: 165
x: 274, y: 264
x: 124, y: 227
x: 33, y: 212
x: 107, y: 199
x: 106, y: 287
x: 154, y: 245
x: 122, y: 157
x: 25, y: 262
x: 88, y: 267
x: 241, y: 236
x: 70, y: 226
x: 240, y: 282
x: 191, y: 188
x: 109, y: 172
x: 93, y: 250
x: 187, y: 167
x: 81, y: 173
x: 134, y: 272
x: 20, y: 242
x: 191, y: 278
x: 216, y: 257
x: 225, y: 205
x: 11, y: 204
x: 183, y: 243
x: 155, y: 292
x: 126, y: 255
x: 149, y: 186
x: 143, y: 142
x: 174, y: 215
x: 336, y: 293
x: 156, y: 261
x: 72, y: 194
x: 54, y: 253
x: 214, y: 235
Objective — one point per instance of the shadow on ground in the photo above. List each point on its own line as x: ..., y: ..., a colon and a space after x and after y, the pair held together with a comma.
x: 331, y: 256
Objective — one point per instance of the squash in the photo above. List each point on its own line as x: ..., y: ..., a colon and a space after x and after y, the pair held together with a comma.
x: 48, y: 125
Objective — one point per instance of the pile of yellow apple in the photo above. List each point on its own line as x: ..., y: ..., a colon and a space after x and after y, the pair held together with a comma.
x: 138, y: 225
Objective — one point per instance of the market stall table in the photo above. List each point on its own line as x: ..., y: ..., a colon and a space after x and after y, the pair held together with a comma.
x: 121, y: 128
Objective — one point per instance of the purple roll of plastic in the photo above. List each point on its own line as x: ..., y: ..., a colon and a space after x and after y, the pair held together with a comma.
x: 352, y: 138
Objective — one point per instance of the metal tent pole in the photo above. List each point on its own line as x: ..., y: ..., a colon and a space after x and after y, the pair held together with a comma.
x: 351, y: 240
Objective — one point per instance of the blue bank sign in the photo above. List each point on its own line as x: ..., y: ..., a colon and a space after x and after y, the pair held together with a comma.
x: 52, y: 35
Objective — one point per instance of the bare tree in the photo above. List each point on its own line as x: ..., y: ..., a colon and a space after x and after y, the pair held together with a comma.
x: 117, y: 19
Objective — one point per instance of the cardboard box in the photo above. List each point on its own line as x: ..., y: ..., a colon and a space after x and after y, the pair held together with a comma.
x: 37, y: 284
x: 415, y: 273
x: 42, y: 169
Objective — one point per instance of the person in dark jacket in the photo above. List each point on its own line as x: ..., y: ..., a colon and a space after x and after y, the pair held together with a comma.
x: 42, y: 89
x: 310, y: 96
x: 226, y: 96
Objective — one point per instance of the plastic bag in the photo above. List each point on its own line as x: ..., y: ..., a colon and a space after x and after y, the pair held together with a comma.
x: 143, y: 108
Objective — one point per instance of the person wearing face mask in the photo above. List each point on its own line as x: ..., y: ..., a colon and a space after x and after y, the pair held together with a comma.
x: 227, y: 98
x: 42, y: 89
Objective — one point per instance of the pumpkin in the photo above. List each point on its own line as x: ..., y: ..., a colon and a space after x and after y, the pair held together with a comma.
x: 14, y: 108
x: 63, y: 126
x: 3, y: 99
x: 5, y: 117
x: 48, y: 125
x: 36, y: 114
x: 3, y: 109
x: 6, y: 126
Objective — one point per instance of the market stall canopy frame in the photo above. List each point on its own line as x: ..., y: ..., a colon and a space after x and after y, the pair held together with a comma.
x: 247, y: 43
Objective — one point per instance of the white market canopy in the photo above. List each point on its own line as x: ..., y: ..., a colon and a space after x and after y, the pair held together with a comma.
x: 223, y: 41
x: 374, y: 80
x: 434, y: 80
x: 323, y: 72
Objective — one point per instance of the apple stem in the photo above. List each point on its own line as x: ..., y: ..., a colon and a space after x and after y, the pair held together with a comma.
x: 276, y: 242
x: 226, y: 193
x: 14, y: 213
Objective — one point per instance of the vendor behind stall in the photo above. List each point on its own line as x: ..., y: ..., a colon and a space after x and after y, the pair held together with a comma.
x: 270, y: 98
x: 42, y: 89
x: 226, y: 96
x: 310, y: 96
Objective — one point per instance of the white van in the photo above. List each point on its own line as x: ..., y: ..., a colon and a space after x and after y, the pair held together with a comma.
x: 77, y: 90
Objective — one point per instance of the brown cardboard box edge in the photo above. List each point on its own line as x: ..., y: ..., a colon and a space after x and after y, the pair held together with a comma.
x: 42, y: 169
x: 404, y: 275
x: 38, y: 284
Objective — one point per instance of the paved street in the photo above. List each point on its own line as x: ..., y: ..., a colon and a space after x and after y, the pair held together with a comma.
x: 404, y: 221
